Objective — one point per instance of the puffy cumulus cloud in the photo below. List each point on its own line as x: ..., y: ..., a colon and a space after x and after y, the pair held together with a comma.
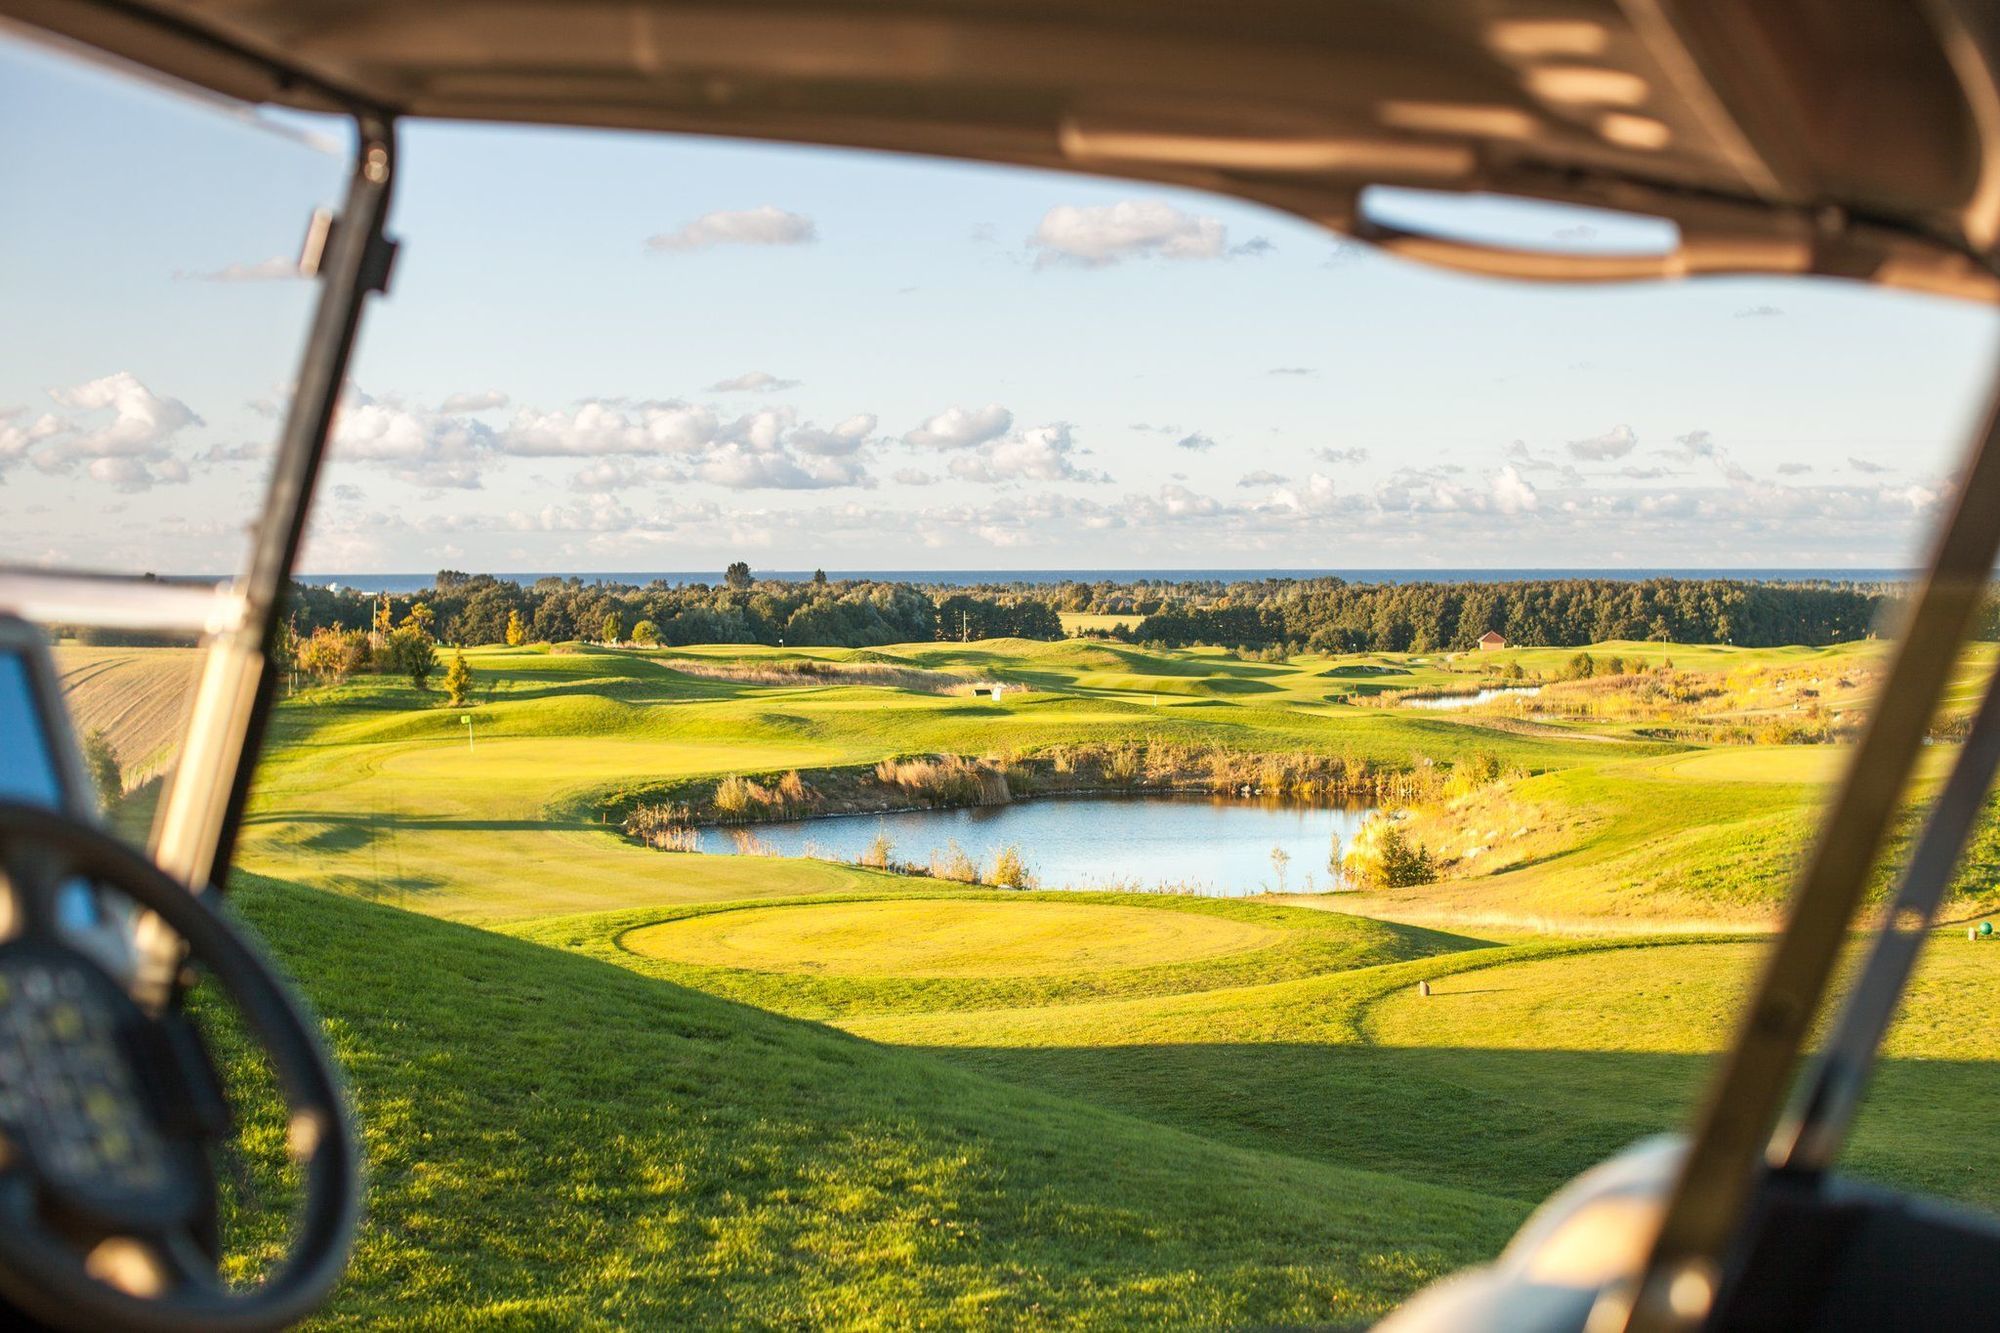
x: 117, y: 429
x: 1107, y: 233
x: 766, y: 449
x: 1172, y: 504
x: 764, y: 225
x: 274, y: 269
x: 1262, y: 478
x: 1612, y: 444
x: 849, y: 437
x: 427, y: 448
x: 1317, y: 494
x: 746, y: 465
x: 479, y: 400
x: 1513, y: 493
x: 752, y: 381
x: 1356, y: 454
x: 618, y: 473
x: 1044, y: 453
x: 1868, y: 467
x: 601, y: 426
x: 18, y: 434
x: 1197, y: 442
x: 961, y: 428
x: 141, y: 421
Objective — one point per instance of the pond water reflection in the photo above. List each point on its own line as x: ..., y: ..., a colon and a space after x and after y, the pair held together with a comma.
x: 1198, y: 844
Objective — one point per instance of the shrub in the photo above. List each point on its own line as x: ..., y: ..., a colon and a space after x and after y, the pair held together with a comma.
x: 332, y: 654
x: 646, y: 634
x: 880, y: 852
x: 411, y: 653
x: 1383, y: 856
x: 954, y: 865
x: 1008, y: 871
x: 458, y: 680
x: 102, y: 761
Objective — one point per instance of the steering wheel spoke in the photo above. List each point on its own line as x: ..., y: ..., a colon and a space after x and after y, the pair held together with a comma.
x: 35, y: 874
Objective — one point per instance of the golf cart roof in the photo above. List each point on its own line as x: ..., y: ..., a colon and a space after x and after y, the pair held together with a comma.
x: 1782, y: 136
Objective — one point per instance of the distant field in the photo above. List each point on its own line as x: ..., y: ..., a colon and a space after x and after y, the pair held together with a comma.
x: 138, y: 697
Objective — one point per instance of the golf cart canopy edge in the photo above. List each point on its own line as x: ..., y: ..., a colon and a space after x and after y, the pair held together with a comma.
x: 1783, y: 136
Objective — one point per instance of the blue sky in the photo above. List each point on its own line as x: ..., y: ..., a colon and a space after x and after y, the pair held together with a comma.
x: 611, y: 351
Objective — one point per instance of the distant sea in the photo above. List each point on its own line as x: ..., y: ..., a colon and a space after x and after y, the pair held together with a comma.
x: 401, y: 583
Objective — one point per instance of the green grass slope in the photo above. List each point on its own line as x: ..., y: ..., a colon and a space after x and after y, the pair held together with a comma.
x: 554, y: 1142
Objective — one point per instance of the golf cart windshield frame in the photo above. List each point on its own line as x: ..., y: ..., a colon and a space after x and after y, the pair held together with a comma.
x: 1733, y: 1142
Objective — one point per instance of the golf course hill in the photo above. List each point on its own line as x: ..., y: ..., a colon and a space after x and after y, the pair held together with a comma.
x: 614, y: 1080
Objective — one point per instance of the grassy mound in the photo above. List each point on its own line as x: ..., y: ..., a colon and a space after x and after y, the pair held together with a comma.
x: 558, y: 1143
x: 933, y: 938
x: 935, y: 950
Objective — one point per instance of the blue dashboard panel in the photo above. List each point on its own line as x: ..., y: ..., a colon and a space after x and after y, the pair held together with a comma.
x: 29, y: 769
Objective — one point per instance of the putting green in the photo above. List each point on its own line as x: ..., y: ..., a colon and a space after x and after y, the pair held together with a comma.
x: 946, y: 938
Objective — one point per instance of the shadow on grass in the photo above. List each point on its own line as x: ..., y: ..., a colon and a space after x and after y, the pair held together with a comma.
x: 1511, y: 1123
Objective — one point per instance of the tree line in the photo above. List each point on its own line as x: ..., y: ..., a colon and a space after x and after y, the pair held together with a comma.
x: 482, y: 609
x: 1332, y: 615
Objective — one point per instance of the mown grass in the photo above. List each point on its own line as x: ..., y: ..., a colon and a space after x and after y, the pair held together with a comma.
x: 554, y: 1142
x: 929, y: 951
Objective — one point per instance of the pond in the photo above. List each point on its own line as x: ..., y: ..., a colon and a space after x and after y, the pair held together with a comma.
x: 1195, y: 844
x: 1468, y: 700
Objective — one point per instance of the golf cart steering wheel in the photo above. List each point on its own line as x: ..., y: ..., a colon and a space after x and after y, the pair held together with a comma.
x: 108, y: 1112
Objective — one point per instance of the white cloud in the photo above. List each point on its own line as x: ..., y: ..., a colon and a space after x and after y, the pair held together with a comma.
x: 764, y: 225
x: 1512, y: 493
x: 1868, y: 466
x: 1197, y: 442
x: 1042, y: 453
x: 1614, y: 443
x: 961, y: 428
x: 752, y: 381
x: 1356, y: 454
x: 910, y: 476
x: 1262, y: 479
x: 1758, y: 312
x: 1106, y: 233
x: 274, y: 269
x: 1794, y: 469
x: 122, y: 432
x: 604, y: 426
x: 1291, y: 370
x: 481, y: 400
x: 849, y: 437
